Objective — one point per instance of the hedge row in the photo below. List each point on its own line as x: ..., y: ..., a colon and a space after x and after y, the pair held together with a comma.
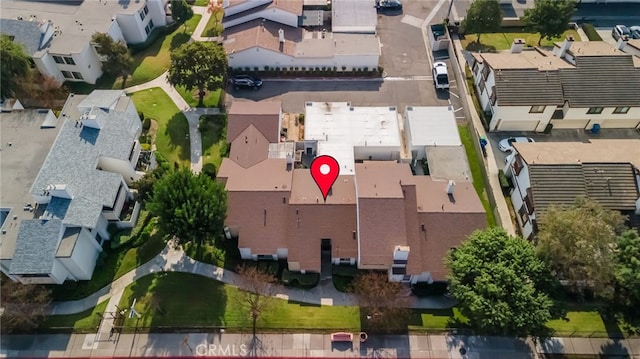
x: 591, y: 32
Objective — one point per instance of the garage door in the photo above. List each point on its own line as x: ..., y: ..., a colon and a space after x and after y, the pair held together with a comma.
x: 570, y: 123
x: 517, y: 125
x: 627, y: 123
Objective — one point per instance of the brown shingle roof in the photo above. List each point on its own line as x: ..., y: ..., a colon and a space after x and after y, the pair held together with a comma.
x: 263, y: 34
x: 249, y: 148
x: 305, y: 191
x: 272, y: 174
x: 381, y: 179
x: 265, y: 116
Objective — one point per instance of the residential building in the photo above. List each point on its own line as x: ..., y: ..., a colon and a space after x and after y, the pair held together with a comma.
x: 378, y: 215
x: 57, y: 34
x: 64, y: 180
x: 268, y: 34
x: 556, y: 173
x: 354, y: 16
x: 578, y: 85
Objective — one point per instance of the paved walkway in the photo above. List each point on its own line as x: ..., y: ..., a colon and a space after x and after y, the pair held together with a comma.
x: 299, y: 345
x: 175, y: 260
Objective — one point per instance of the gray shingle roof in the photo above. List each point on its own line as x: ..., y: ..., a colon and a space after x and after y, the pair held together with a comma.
x: 613, y: 185
x: 526, y: 87
x: 601, y: 81
x: 36, y: 246
x: 73, y: 161
x: 26, y: 33
x: 100, y: 98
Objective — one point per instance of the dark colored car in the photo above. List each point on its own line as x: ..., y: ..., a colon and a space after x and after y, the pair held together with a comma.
x: 245, y: 82
x: 388, y: 5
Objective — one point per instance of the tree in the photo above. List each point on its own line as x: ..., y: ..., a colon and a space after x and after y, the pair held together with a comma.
x: 14, y: 67
x: 501, y: 285
x: 181, y: 11
x: 550, y: 18
x: 199, y: 65
x: 24, y: 305
x: 116, y: 59
x: 258, y: 289
x: 483, y: 16
x: 384, y: 301
x: 145, y: 184
x: 626, y: 298
x: 191, y: 207
x: 578, y: 242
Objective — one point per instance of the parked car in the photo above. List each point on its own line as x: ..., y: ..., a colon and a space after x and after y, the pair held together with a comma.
x: 506, y: 144
x: 620, y: 30
x: 245, y: 81
x: 388, y: 5
x: 635, y: 32
x: 440, y: 75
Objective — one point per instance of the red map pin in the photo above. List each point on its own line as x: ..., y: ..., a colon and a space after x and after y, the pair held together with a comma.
x: 325, y: 171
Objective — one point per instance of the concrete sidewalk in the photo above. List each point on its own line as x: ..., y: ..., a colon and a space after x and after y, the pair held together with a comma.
x: 220, y: 344
x: 175, y: 260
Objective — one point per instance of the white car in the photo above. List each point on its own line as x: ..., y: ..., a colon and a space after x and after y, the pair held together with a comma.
x: 440, y: 75
x: 506, y: 144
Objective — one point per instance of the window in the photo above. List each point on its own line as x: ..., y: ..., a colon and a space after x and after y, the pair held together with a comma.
x: 142, y: 15
x: 67, y: 75
x: 146, y: 30
x: 595, y: 110
x: 493, y: 97
x: 621, y: 110
x: 34, y: 275
x: 151, y: 24
x: 58, y: 59
x: 524, y: 217
x: 537, y: 109
x: 146, y: 9
x: 485, y: 72
x: 77, y: 76
x: 482, y: 86
x: 69, y: 60
x: 149, y: 27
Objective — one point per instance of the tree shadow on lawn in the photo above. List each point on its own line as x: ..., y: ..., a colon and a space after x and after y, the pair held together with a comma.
x: 179, y: 39
x: 474, y: 46
x: 178, y: 132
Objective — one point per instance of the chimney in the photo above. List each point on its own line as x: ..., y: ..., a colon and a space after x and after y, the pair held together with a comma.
x: 564, y: 47
x: 622, y: 42
x: 451, y: 186
x: 517, y: 45
x: 281, y: 36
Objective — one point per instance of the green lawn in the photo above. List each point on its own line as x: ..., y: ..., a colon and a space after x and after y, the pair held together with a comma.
x: 502, y: 40
x: 586, y: 322
x: 154, y: 60
x: 214, y: 25
x: 214, y: 143
x: 201, y: 3
x: 476, y: 172
x: 211, y: 98
x: 429, y: 320
x: 86, y: 321
x: 117, y: 263
x: 172, y: 138
x: 203, y: 301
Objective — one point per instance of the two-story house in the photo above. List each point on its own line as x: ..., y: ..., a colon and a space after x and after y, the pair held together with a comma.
x: 556, y: 173
x: 64, y: 181
x: 57, y: 34
x: 577, y: 85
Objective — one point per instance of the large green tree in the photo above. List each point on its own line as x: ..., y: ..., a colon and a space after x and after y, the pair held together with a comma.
x: 578, y: 242
x: 116, y: 59
x: 483, y: 16
x: 191, y: 207
x: 550, y: 18
x: 198, y: 65
x: 383, y: 301
x: 627, y: 276
x: 501, y: 284
x: 23, y: 305
x: 180, y: 11
x: 15, y: 65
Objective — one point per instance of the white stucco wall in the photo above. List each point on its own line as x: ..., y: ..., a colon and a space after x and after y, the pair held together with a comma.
x: 260, y: 57
x: 82, y: 261
x: 132, y: 27
x: 521, y: 182
x: 47, y: 66
x: 157, y: 13
x: 377, y: 153
x: 518, y: 118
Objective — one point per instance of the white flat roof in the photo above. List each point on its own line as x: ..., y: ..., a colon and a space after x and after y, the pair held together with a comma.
x: 432, y: 126
x: 338, y: 127
x: 354, y: 16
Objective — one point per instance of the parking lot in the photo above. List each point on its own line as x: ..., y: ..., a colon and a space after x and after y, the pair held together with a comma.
x: 406, y: 65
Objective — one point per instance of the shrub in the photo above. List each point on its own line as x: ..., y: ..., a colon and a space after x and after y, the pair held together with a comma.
x: 146, y: 124
x: 297, y: 279
x: 210, y: 170
x: 423, y: 289
x: 141, y: 115
x: 301, y: 118
x: 504, y: 182
x: 591, y: 32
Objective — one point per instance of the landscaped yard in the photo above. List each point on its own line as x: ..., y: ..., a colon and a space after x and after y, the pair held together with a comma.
x: 476, y: 172
x: 116, y: 263
x: 214, y: 25
x: 172, y: 138
x: 581, y: 322
x: 86, y: 321
x: 154, y: 60
x: 213, y: 129
x: 211, y: 98
x: 502, y: 40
